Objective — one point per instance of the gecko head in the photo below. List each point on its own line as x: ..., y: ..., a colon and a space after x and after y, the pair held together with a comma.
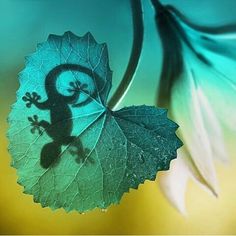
x: 50, y: 154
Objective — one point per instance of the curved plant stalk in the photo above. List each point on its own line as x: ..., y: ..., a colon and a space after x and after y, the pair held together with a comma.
x: 138, y: 32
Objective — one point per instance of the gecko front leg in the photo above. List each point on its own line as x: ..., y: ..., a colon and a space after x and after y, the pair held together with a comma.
x: 82, y: 154
x: 38, y: 125
x: 50, y: 152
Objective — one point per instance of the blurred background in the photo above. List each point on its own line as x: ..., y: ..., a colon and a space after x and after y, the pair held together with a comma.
x: 23, y: 24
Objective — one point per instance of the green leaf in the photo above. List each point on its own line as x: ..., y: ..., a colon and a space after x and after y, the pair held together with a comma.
x: 69, y: 149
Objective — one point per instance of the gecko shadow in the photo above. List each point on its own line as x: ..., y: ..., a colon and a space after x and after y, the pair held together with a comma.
x: 61, y: 125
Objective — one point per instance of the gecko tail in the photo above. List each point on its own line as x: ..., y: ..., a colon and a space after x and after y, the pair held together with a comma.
x: 50, y: 154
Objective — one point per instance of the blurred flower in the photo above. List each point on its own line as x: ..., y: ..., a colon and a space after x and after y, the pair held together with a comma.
x: 198, y: 86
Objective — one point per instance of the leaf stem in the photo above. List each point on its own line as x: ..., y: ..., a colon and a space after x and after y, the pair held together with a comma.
x: 138, y: 32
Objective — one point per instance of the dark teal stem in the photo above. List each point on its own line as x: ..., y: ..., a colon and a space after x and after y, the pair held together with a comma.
x: 138, y: 32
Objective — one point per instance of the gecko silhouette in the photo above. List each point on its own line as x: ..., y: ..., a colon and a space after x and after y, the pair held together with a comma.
x: 61, y: 124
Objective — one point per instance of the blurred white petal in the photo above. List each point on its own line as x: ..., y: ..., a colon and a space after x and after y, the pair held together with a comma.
x: 198, y: 85
x: 172, y: 189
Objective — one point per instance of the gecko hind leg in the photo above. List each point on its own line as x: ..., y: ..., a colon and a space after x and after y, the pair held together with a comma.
x: 31, y: 98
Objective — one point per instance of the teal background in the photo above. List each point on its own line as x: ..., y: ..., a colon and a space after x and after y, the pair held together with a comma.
x: 23, y: 24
